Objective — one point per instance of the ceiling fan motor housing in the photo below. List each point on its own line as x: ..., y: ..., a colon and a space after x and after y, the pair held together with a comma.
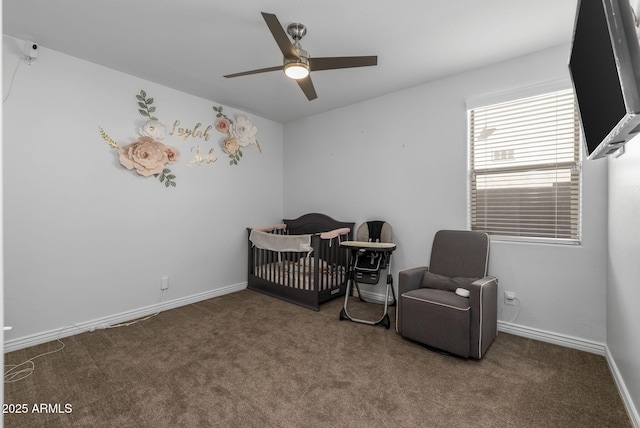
x: 302, y: 54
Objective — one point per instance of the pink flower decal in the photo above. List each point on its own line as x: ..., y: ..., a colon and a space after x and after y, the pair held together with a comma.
x: 147, y: 156
x: 223, y: 125
x: 172, y: 154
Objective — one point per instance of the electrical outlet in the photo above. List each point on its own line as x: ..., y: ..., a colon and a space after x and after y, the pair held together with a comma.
x: 509, y: 298
x: 164, y: 283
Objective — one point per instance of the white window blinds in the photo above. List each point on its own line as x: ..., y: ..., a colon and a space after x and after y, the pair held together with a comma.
x: 525, y: 175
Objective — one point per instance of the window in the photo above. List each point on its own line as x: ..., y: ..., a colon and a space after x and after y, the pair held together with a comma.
x: 525, y: 168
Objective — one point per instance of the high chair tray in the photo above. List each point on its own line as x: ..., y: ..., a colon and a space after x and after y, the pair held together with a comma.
x: 375, y: 246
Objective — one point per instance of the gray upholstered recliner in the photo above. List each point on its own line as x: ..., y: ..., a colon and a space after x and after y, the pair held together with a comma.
x: 429, y: 309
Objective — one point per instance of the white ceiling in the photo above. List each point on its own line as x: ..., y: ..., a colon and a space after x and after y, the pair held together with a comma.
x: 190, y: 44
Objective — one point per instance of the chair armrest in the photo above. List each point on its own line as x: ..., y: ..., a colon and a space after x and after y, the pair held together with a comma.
x: 484, y: 314
x: 487, y: 281
x: 410, y: 279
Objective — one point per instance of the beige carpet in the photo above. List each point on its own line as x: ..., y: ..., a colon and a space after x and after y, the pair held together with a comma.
x: 249, y: 360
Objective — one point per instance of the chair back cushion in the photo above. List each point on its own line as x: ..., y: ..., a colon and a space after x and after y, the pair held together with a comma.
x: 442, y: 282
x: 374, y: 231
x: 460, y: 253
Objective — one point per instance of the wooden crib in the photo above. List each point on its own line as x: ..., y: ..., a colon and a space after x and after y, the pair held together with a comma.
x: 300, y: 260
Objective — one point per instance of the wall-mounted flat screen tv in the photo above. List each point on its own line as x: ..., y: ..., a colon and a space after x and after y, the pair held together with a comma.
x: 605, y: 71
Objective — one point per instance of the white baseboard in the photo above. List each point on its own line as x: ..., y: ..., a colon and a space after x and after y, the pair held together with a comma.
x: 371, y: 296
x: 634, y: 416
x: 583, y: 345
x: 48, y: 336
x: 555, y: 338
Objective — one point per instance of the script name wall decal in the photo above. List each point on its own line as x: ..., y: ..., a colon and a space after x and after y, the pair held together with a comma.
x: 194, y: 132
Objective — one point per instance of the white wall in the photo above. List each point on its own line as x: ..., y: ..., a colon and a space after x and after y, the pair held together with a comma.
x: 403, y: 158
x: 623, y: 293
x: 86, y: 239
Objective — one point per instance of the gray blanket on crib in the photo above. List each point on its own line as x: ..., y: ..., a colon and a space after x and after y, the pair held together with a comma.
x: 280, y: 243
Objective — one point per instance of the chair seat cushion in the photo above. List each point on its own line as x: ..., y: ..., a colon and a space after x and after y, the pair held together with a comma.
x: 441, y: 282
x: 437, y: 318
x: 439, y: 297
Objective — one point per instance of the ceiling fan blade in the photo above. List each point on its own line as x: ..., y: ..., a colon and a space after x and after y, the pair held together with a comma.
x: 260, y: 70
x: 307, y: 87
x: 279, y: 34
x: 332, y: 63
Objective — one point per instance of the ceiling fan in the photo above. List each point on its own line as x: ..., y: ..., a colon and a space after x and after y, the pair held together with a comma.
x: 297, y: 63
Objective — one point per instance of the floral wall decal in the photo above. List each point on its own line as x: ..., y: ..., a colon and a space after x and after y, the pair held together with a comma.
x: 240, y: 134
x: 148, y: 155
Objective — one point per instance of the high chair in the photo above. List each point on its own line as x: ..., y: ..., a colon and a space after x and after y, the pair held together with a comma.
x: 370, y: 264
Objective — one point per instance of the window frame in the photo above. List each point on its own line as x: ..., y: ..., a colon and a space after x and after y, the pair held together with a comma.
x: 511, y: 96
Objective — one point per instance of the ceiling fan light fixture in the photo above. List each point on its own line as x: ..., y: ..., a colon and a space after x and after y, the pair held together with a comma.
x: 296, y: 70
